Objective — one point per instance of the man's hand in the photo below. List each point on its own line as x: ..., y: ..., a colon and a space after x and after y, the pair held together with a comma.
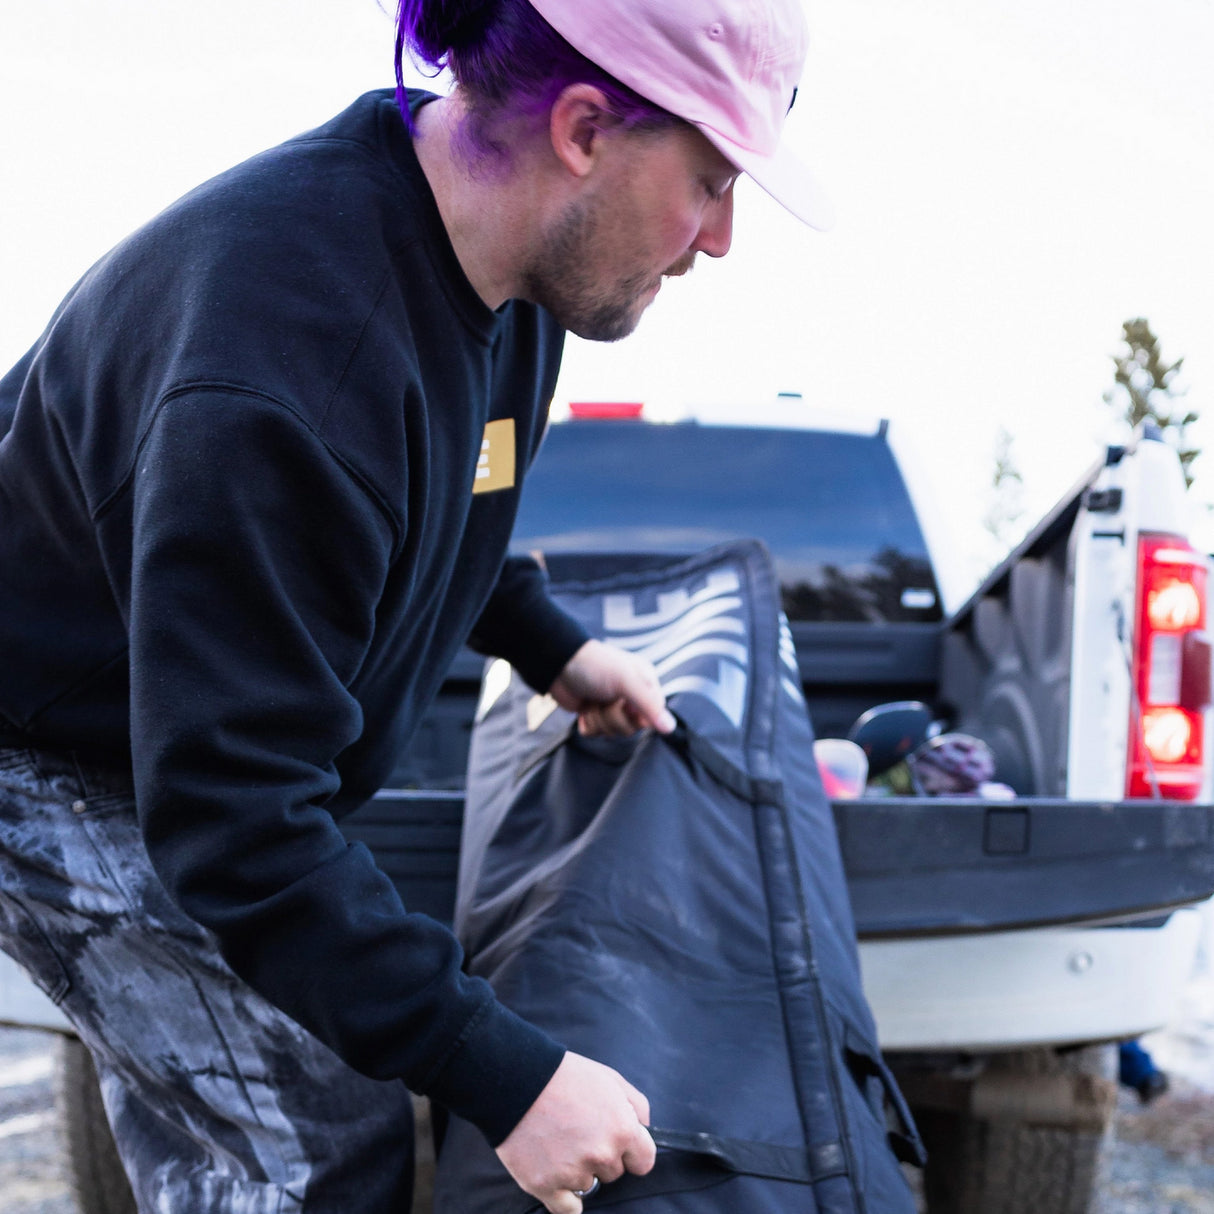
x: 587, y: 1124
x: 612, y: 691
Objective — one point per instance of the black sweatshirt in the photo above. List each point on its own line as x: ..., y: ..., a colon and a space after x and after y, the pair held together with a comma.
x: 247, y: 518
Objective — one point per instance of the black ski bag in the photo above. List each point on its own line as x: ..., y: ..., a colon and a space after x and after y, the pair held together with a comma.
x: 676, y: 908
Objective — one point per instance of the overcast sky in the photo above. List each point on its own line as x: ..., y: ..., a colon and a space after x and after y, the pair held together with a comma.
x: 1012, y: 182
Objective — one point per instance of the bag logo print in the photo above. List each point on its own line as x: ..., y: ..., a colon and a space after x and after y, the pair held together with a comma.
x: 690, y: 639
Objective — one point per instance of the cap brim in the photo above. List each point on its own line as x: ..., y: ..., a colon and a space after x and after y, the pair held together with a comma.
x: 784, y: 177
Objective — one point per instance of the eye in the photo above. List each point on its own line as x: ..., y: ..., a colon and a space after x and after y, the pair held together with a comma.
x: 716, y: 189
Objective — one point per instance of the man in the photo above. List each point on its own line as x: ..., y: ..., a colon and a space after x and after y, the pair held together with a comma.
x: 255, y: 492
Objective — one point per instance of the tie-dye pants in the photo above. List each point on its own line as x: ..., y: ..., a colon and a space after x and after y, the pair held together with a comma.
x: 218, y: 1101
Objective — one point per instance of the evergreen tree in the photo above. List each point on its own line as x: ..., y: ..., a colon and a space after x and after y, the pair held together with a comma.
x: 1002, y: 519
x: 1146, y: 390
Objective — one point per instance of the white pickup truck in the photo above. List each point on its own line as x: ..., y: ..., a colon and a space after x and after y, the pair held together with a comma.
x: 1006, y: 945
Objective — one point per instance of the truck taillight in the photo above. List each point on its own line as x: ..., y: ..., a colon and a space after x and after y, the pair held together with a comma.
x: 606, y: 410
x: 1171, y: 671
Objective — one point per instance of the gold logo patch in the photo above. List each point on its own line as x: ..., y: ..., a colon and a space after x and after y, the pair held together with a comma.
x: 495, y: 467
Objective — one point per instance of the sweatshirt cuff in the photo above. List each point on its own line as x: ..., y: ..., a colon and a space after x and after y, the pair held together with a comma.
x: 560, y: 636
x: 495, y: 1071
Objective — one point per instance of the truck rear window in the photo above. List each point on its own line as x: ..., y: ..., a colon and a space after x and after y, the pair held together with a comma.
x: 832, y: 508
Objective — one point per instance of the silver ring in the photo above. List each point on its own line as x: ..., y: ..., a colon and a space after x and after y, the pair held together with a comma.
x: 590, y: 1192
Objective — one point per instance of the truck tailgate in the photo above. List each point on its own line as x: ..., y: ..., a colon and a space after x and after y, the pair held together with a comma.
x: 930, y: 866
x: 915, y: 866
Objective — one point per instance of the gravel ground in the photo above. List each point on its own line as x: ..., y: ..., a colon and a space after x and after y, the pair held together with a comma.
x: 1160, y: 1159
x: 31, y: 1172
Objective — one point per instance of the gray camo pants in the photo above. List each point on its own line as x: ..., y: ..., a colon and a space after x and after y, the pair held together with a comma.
x: 218, y: 1101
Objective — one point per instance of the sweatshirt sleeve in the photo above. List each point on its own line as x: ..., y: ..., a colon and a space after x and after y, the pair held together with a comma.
x: 522, y: 624
x: 259, y: 561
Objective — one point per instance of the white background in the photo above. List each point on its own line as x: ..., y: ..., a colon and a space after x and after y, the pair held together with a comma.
x: 1012, y: 182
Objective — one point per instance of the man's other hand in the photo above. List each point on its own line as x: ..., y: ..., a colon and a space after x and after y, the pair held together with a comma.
x: 588, y: 1124
x: 612, y: 691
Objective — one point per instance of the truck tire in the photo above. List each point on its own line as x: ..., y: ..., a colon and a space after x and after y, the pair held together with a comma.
x: 94, y: 1171
x: 1021, y: 1159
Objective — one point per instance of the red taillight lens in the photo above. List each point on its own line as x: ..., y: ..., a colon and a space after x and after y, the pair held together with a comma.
x: 1171, y: 671
x: 606, y: 410
x: 1172, y: 735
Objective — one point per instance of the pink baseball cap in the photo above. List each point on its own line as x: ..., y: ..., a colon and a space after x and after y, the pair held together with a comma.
x: 729, y: 67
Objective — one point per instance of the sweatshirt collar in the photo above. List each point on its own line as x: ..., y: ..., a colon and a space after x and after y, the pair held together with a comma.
x: 480, y: 318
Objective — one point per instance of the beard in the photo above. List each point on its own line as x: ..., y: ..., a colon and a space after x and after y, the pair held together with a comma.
x: 562, y: 279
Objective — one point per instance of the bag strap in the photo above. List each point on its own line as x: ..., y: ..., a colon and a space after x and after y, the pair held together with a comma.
x: 689, y: 1160
x: 769, y: 1160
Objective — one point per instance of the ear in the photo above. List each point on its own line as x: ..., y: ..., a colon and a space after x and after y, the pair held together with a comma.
x: 578, y: 124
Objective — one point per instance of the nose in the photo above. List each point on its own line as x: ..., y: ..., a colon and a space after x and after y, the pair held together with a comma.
x: 716, y: 229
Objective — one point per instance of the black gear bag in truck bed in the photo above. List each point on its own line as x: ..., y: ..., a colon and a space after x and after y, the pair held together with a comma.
x: 677, y: 908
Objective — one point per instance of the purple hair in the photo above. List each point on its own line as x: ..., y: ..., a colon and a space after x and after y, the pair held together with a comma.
x: 506, y: 57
